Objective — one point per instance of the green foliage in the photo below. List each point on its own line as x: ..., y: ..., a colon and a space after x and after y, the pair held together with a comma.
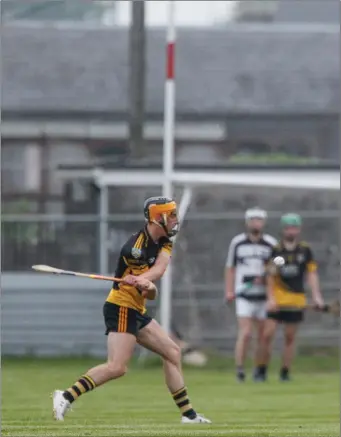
x: 54, y: 10
x: 21, y: 206
x: 24, y: 231
x: 19, y: 232
x: 271, y: 158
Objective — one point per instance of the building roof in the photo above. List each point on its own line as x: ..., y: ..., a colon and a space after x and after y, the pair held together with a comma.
x: 265, y: 69
x: 312, y: 11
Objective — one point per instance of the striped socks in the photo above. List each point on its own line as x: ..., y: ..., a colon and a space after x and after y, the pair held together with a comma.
x: 182, y: 401
x: 83, y: 385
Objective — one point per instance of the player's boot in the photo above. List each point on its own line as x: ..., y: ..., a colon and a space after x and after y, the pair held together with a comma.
x: 240, y: 375
x: 284, y: 375
x: 60, y: 405
x: 197, y: 419
x: 260, y: 374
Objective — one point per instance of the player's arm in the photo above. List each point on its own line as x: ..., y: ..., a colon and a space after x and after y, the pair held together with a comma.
x: 148, y: 289
x: 230, y: 272
x: 162, y: 261
x: 313, y: 279
x: 270, y: 291
x: 271, y: 271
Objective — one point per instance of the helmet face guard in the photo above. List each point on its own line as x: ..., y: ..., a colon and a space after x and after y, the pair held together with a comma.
x: 164, y: 222
x: 158, y: 210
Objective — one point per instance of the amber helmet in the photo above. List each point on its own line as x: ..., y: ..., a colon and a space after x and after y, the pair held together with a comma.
x: 158, y: 210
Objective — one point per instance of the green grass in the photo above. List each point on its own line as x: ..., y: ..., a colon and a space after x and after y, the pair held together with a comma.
x: 139, y: 405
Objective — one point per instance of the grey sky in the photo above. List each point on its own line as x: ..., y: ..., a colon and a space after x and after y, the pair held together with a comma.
x: 189, y: 13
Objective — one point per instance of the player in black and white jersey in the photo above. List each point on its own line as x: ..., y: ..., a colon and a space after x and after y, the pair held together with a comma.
x: 245, y: 283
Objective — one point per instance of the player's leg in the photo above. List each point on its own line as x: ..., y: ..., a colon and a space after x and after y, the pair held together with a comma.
x: 120, y: 349
x: 259, y: 325
x: 154, y: 338
x: 269, y: 332
x: 290, y: 332
x: 244, y: 316
x: 121, y: 326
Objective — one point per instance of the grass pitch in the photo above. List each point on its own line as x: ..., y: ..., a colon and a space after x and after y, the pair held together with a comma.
x: 139, y: 404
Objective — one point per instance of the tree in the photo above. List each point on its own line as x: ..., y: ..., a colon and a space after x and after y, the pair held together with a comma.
x: 255, y: 10
x: 56, y: 10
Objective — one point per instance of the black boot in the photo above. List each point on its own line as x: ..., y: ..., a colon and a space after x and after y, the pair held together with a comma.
x: 284, y: 374
x: 240, y: 374
x: 260, y: 374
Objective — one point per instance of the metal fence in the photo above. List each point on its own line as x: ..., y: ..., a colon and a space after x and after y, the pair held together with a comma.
x: 74, y: 241
x: 44, y: 315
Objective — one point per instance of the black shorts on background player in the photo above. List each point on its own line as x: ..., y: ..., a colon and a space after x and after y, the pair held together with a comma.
x: 287, y: 316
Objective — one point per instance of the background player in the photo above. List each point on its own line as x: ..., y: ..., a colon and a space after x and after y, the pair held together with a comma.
x: 143, y: 260
x: 286, y: 294
x: 245, y: 280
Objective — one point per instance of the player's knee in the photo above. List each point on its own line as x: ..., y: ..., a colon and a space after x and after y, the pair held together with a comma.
x: 289, y: 339
x: 174, y: 354
x: 245, y: 335
x: 260, y: 337
x: 116, y: 370
x: 267, y: 337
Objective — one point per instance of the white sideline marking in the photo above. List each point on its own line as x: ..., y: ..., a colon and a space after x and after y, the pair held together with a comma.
x: 132, y: 427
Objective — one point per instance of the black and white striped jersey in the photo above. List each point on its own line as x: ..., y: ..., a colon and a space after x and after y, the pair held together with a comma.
x: 249, y: 259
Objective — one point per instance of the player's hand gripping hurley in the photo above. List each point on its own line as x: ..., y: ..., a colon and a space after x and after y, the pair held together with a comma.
x: 331, y: 308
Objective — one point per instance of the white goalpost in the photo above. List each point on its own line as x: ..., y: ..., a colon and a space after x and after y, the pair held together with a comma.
x: 168, y: 154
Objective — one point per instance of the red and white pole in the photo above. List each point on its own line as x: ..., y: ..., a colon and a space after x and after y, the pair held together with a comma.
x: 168, y: 154
x: 169, y: 104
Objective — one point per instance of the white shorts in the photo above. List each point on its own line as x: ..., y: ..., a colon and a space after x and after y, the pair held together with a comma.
x: 250, y: 308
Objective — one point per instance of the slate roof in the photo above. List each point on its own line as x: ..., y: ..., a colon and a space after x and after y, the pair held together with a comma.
x: 325, y: 11
x: 218, y: 70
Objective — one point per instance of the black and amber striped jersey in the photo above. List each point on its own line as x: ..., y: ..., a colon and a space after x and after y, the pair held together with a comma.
x: 137, y: 256
x: 289, y: 279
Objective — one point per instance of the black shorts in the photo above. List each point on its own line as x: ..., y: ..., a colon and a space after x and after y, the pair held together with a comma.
x: 287, y: 316
x: 122, y: 319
